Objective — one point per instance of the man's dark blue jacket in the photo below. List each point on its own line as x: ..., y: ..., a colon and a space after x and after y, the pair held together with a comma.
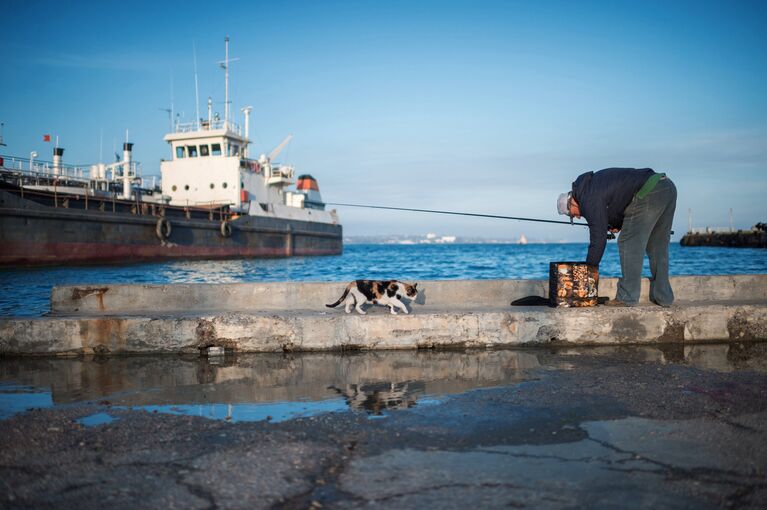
x: 603, y: 197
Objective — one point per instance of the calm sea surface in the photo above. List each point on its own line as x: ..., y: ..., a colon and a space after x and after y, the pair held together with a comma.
x: 27, y: 291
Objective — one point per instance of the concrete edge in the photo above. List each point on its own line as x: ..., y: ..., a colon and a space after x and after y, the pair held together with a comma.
x: 244, y: 332
x: 284, y: 296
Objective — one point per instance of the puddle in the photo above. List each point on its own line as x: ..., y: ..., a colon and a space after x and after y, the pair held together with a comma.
x: 97, y: 419
x: 272, y: 387
x: 15, y: 398
x: 277, y: 387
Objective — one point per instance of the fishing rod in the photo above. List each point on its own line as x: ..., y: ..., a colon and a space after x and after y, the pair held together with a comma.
x: 456, y: 213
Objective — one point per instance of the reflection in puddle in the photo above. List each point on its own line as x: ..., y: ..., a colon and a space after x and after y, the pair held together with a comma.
x: 279, y: 387
x: 272, y: 387
x: 275, y: 411
x: 375, y: 398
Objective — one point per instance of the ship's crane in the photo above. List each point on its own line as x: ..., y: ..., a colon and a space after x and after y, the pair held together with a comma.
x: 281, y: 175
x: 278, y: 149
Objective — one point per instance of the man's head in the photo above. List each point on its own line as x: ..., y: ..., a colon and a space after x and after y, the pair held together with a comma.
x: 568, y: 206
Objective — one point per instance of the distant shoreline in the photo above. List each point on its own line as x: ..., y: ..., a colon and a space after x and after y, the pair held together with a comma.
x: 421, y: 241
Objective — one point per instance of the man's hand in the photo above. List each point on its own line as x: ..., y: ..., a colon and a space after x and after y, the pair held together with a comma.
x: 613, y: 230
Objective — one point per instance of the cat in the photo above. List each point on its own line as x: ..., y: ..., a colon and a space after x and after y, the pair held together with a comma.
x: 378, y: 292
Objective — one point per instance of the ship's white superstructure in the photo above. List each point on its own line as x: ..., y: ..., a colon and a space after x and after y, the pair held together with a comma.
x: 210, y: 167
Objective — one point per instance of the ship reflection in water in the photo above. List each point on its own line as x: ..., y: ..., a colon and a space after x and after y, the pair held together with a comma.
x: 276, y: 387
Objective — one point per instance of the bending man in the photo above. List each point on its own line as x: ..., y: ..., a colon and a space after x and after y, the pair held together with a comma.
x: 640, y: 204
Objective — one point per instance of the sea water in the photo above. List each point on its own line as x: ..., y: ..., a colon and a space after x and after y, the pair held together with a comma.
x: 26, y: 292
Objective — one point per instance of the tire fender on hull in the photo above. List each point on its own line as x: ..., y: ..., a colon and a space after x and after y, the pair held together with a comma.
x: 163, y: 229
x: 226, y: 229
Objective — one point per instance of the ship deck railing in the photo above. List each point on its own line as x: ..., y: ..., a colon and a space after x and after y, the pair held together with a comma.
x: 204, y: 125
x: 32, y: 169
x: 35, y: 168
x: 113, y: 202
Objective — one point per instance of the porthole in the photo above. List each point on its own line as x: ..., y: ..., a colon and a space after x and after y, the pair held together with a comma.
x: 212, y: 185
x: 186, y: 187
x: 174, y: 187
x: 225, y: 185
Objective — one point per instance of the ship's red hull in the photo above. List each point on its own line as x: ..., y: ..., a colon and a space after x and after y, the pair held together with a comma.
x: 33, y: 233
x: 25, y: 253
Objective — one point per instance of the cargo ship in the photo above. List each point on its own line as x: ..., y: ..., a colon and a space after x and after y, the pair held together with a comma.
x: 213, y: 201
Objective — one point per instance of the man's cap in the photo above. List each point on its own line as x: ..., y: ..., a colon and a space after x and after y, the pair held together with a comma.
x: 562, y: 204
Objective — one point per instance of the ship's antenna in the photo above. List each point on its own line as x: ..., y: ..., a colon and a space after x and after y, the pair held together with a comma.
x: 169, y: 111
x: 196, y: 90
x: 101, y: 145
x: 226, y: 84
x: 225, y: 66
x: 171, y: 100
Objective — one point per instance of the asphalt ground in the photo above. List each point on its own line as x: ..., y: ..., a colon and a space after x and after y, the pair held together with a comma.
x: 622, y: 427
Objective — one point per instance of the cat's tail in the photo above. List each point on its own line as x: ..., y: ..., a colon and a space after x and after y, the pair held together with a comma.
x: 340, y: 300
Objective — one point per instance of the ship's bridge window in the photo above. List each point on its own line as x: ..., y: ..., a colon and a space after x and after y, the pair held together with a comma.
x: 234, y: 150
x: 204, y: 150
x: 192, y: 150
x: 216, y: 149
x: 180, y: 152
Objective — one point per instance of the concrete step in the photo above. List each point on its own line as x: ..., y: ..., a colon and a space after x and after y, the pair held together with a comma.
x: 274, y: 317
x: 286, y: 296
x: 307, y: 330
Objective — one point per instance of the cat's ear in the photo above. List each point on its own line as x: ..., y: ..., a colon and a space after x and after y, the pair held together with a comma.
x: 415, y: 285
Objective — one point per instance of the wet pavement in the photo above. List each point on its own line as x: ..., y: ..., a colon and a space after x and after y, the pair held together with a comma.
x: 631, y: 427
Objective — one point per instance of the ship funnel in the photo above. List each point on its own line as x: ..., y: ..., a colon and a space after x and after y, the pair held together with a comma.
x: 127, y: 151
x: 247, y: 111
x: 58, y: 153
x: 308, y: 186
x: 127, y: 160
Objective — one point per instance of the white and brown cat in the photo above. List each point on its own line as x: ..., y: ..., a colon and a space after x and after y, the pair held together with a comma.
x: 378, y: 292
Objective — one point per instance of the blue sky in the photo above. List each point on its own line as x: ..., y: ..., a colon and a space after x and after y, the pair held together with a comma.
x: 490, y: 107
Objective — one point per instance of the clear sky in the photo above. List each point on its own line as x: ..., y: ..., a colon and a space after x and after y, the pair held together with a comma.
x: 481, y: 106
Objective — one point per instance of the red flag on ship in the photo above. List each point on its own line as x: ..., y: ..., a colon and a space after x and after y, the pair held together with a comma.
x: 46, y: 138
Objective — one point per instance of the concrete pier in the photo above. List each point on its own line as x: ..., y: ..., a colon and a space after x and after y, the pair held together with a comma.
x: 274, y: 317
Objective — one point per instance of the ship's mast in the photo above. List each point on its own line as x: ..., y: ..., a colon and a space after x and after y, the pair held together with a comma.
x: 196, y: 92
x: 226, y: 87
x: 225, y: 65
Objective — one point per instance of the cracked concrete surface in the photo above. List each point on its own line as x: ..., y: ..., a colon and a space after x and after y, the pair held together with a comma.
x: 621, y: 427
x: 621, y: 463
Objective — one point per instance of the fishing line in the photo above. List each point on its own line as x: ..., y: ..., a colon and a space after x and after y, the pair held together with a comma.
x: 456, y: 213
